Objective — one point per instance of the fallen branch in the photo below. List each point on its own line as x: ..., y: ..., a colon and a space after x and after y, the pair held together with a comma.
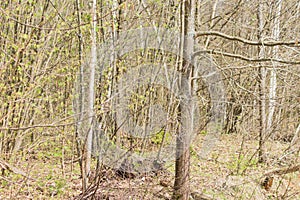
x: 285, y: 170
x: 6, y: 166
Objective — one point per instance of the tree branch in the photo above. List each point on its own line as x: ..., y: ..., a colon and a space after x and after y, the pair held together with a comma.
x: 36, y: 126
x: 241, y: 57
x: 245, y: 41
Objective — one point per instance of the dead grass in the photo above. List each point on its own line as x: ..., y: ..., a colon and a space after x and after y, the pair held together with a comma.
x: 230, y: 172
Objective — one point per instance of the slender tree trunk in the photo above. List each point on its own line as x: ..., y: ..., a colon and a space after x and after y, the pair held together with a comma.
x: 212, y: 21
x: 91, y: 93
x: 81, y: 85
x: 273, y: 78
x: 296, y: 137
x: 115, y: 33
x: 182, y: 164
x: 262, y: 87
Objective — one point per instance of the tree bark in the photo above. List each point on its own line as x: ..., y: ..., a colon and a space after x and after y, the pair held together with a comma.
x: 273, y: 77
x: 182, y: 164
x: 91, y: 93
x: 262, y: 87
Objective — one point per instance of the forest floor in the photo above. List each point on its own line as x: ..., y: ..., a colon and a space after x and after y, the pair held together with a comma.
x: 230, y: 172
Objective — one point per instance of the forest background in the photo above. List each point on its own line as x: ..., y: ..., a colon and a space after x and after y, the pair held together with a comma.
x: 46, y: 45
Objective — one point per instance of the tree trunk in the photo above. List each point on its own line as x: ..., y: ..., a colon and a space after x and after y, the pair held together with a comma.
x: 91, y: 91
x: 81, y: 85
x: 262, y: 87
x: 273, y: 78
x: 182, y: 164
